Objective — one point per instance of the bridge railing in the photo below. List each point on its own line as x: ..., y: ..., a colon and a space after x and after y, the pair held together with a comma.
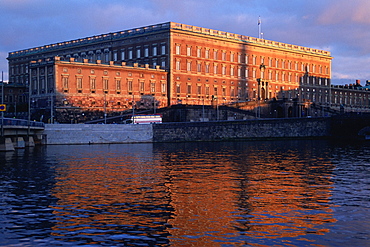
x: 22, y: 122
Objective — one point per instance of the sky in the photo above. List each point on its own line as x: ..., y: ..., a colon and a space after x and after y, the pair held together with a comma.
x: 339, y: 26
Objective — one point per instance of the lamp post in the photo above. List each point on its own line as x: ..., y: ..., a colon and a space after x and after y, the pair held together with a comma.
x: 51, y: 108
x: 2, y: 102
x: 203, y: 110
x: 260, y: 82
x: 133, y: 109
x: 105, y: 108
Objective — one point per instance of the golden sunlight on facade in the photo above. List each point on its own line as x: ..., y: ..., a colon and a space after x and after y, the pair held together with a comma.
x: 191, y: 65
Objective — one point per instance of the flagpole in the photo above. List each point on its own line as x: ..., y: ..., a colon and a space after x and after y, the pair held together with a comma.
x: 259, y: 27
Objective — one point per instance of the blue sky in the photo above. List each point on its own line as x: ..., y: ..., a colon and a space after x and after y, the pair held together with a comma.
x: 339, y: 26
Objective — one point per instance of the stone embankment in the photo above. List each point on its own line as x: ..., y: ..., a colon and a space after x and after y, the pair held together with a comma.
x: 187, y: 131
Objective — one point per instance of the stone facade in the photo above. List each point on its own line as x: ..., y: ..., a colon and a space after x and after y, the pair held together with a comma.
x: 204, y: 66
x: 74, y: 90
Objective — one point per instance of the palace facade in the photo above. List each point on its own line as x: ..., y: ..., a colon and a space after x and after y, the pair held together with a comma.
x: 201, y: 66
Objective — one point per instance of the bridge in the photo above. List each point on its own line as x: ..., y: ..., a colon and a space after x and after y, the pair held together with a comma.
x: 19, y: 133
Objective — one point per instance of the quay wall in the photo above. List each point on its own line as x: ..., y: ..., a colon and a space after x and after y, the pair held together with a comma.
x: 97, y: 133
x: 187, y: 131
x: 243, y: 129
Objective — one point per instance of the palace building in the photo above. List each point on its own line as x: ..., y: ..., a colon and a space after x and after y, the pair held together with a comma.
x: 191, y: 65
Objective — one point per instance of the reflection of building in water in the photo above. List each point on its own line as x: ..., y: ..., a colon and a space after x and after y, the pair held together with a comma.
x: 100, y: 197
x: 262, y: 197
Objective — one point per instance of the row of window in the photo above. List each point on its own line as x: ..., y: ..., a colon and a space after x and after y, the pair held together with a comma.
x: 237, y: 71
x: 142, y: 84
x: 139, y: 52
x: 231, y: 56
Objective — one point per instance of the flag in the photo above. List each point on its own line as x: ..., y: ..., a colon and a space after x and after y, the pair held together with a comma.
x: 259, y: 20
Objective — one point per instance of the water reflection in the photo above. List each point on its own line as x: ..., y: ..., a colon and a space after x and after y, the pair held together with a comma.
x: 199, y: 194
x: 247, y: 193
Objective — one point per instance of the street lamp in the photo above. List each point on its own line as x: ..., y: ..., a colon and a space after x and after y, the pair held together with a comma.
x: 105, y: 108
x: 260, y: 83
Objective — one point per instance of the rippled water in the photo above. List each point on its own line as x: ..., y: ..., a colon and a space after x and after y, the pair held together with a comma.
x: 276, y: 193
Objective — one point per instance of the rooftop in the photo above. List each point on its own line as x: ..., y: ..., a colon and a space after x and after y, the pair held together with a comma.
x: 166, y: 26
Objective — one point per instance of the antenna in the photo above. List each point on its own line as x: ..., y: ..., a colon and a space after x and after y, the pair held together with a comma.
x: 260, y: 34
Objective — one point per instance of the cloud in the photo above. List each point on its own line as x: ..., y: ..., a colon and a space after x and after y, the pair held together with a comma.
x: 346, y: 13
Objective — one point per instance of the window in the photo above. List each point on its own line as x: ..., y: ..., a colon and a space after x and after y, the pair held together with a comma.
x: 223, y: 56
x: 188, y: 66
x: 79, y: 82
x: 92, y: 83
x: 106, y: 57
x: 178, y: 88
x: 215, y: 91
x: 207, y: 54
x: 163, y: 49
x: 207, y: 90
x: 188, y: 51
x: 115, y: 56
x: 154, y: 51
x: 130, y: 54
x: 129, y: 86
x: 118, y: 84
x: 199, y: 67
x: 163, y: 88
x: 207, y: 68
x: 152, y: 87
x: 189, y: 89
x: 122, y: 55
x: 146, y: 52
x: 163, y: 63
x: 178, y: 50
x: 65, y: 82
x: 178, y: 65
x: 223, y: 70
x: 199, y: 52
x: 215, y: 69
x: 138, y: 55
x: 239, y: 58
x: 215, y: 53
x: 141, y: 86
x: 199, y: 89
x: 105, y: 84
x: 232, y: 57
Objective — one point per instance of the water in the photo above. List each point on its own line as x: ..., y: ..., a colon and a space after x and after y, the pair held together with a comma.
x: 276, y: 193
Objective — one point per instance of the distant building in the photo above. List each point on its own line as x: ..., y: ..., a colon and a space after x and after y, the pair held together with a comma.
x: 15, y: 99
x: 202, y: 65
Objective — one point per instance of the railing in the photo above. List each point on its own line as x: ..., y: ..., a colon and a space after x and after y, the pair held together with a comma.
x: 22, y: 122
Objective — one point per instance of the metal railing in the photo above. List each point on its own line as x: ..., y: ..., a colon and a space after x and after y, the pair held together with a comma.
x: 22, y: 122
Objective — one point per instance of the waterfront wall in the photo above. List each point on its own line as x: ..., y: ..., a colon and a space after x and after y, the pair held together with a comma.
x: 187, y: 131
x: 97, y: 133
x: 244, y: 129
